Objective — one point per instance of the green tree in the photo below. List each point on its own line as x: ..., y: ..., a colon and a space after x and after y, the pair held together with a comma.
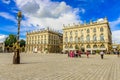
x: 10, y: 40
x: 22, y: 43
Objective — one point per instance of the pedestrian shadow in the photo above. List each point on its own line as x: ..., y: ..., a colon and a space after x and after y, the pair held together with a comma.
x: 105, y: 59
x: 31, y: 62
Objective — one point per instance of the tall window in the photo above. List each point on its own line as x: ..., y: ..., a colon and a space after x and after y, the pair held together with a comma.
x: 44, y: 41
x: 66, y: 39
x: 88, y: 31
x: 76, y: 33
x: 94, y: 30
x: 94, y: 37
x: 101, y: 37
x: 49, y: 36
x: 71, y: 33
x: 76, y: 39
x: 41, y: 36
x: 101, y: 29
x: 41, y: 41
x: 71, y: 39
x: 45, y: 36
x: 81, y: 31
x: 65, y: 33
x: 88, y: 37
x: 81, y: 38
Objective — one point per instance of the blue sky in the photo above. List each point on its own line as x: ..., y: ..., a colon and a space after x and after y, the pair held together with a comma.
x: 38, y: 14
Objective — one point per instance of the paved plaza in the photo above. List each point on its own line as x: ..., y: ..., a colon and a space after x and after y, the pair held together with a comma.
x: 59, y: 67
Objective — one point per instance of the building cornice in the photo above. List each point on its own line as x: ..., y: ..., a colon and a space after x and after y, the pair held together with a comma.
x: 83, y: 25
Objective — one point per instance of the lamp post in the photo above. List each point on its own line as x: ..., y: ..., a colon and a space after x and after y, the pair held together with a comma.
x: 16, y: 57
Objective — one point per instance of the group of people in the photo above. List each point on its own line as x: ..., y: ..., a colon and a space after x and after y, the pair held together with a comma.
x: 102, y: 53
x: 77, y: 53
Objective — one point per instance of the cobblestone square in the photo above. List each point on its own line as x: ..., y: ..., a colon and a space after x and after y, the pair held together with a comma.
x: 59, y: 67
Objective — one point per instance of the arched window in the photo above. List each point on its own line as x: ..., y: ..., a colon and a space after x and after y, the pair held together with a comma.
x: 94, y: 37
x: 94, y: 30
x: 71, y: 39
x: 81, y: 38
x: 88, y: 46
x: 101, y: 37
x: 101, y: 29
x: 88, y: 31
x: 88, y: 37
x: 102, y: 46
x: 94, y: 46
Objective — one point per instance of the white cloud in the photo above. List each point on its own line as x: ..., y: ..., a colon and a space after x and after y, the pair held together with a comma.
x: 47, y: 13
x: 7, y: 16
x: 100, y: 20
x: 2, y: 37
x: 115, y: 23
x: 115, y: 36
x: 6, y: 1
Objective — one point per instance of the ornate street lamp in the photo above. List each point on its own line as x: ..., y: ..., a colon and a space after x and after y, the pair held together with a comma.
x: 16, y: 57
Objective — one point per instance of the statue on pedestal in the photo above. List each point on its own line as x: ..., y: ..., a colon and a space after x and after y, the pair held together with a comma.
x: 16, y: 57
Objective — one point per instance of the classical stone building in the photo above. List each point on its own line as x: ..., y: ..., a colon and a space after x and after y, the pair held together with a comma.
x: 44, y: 41
x: 92, y: 37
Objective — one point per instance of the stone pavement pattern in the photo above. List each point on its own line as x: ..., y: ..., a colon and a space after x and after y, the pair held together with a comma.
x: 59, y: 67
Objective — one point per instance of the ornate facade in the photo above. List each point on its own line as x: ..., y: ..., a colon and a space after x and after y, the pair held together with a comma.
x: 41, y: 41
x: 88, y: 37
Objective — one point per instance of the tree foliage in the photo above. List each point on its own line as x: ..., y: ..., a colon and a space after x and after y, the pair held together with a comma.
x: 22, y: 43
x: 10, y: 40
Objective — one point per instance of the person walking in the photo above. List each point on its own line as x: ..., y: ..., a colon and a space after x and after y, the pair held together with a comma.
x: 102, y: 54
x: 73, y: 54
x: 76, y: 54
x: 87, y: 53
x: 70, y: 54
x: 79, y: 53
